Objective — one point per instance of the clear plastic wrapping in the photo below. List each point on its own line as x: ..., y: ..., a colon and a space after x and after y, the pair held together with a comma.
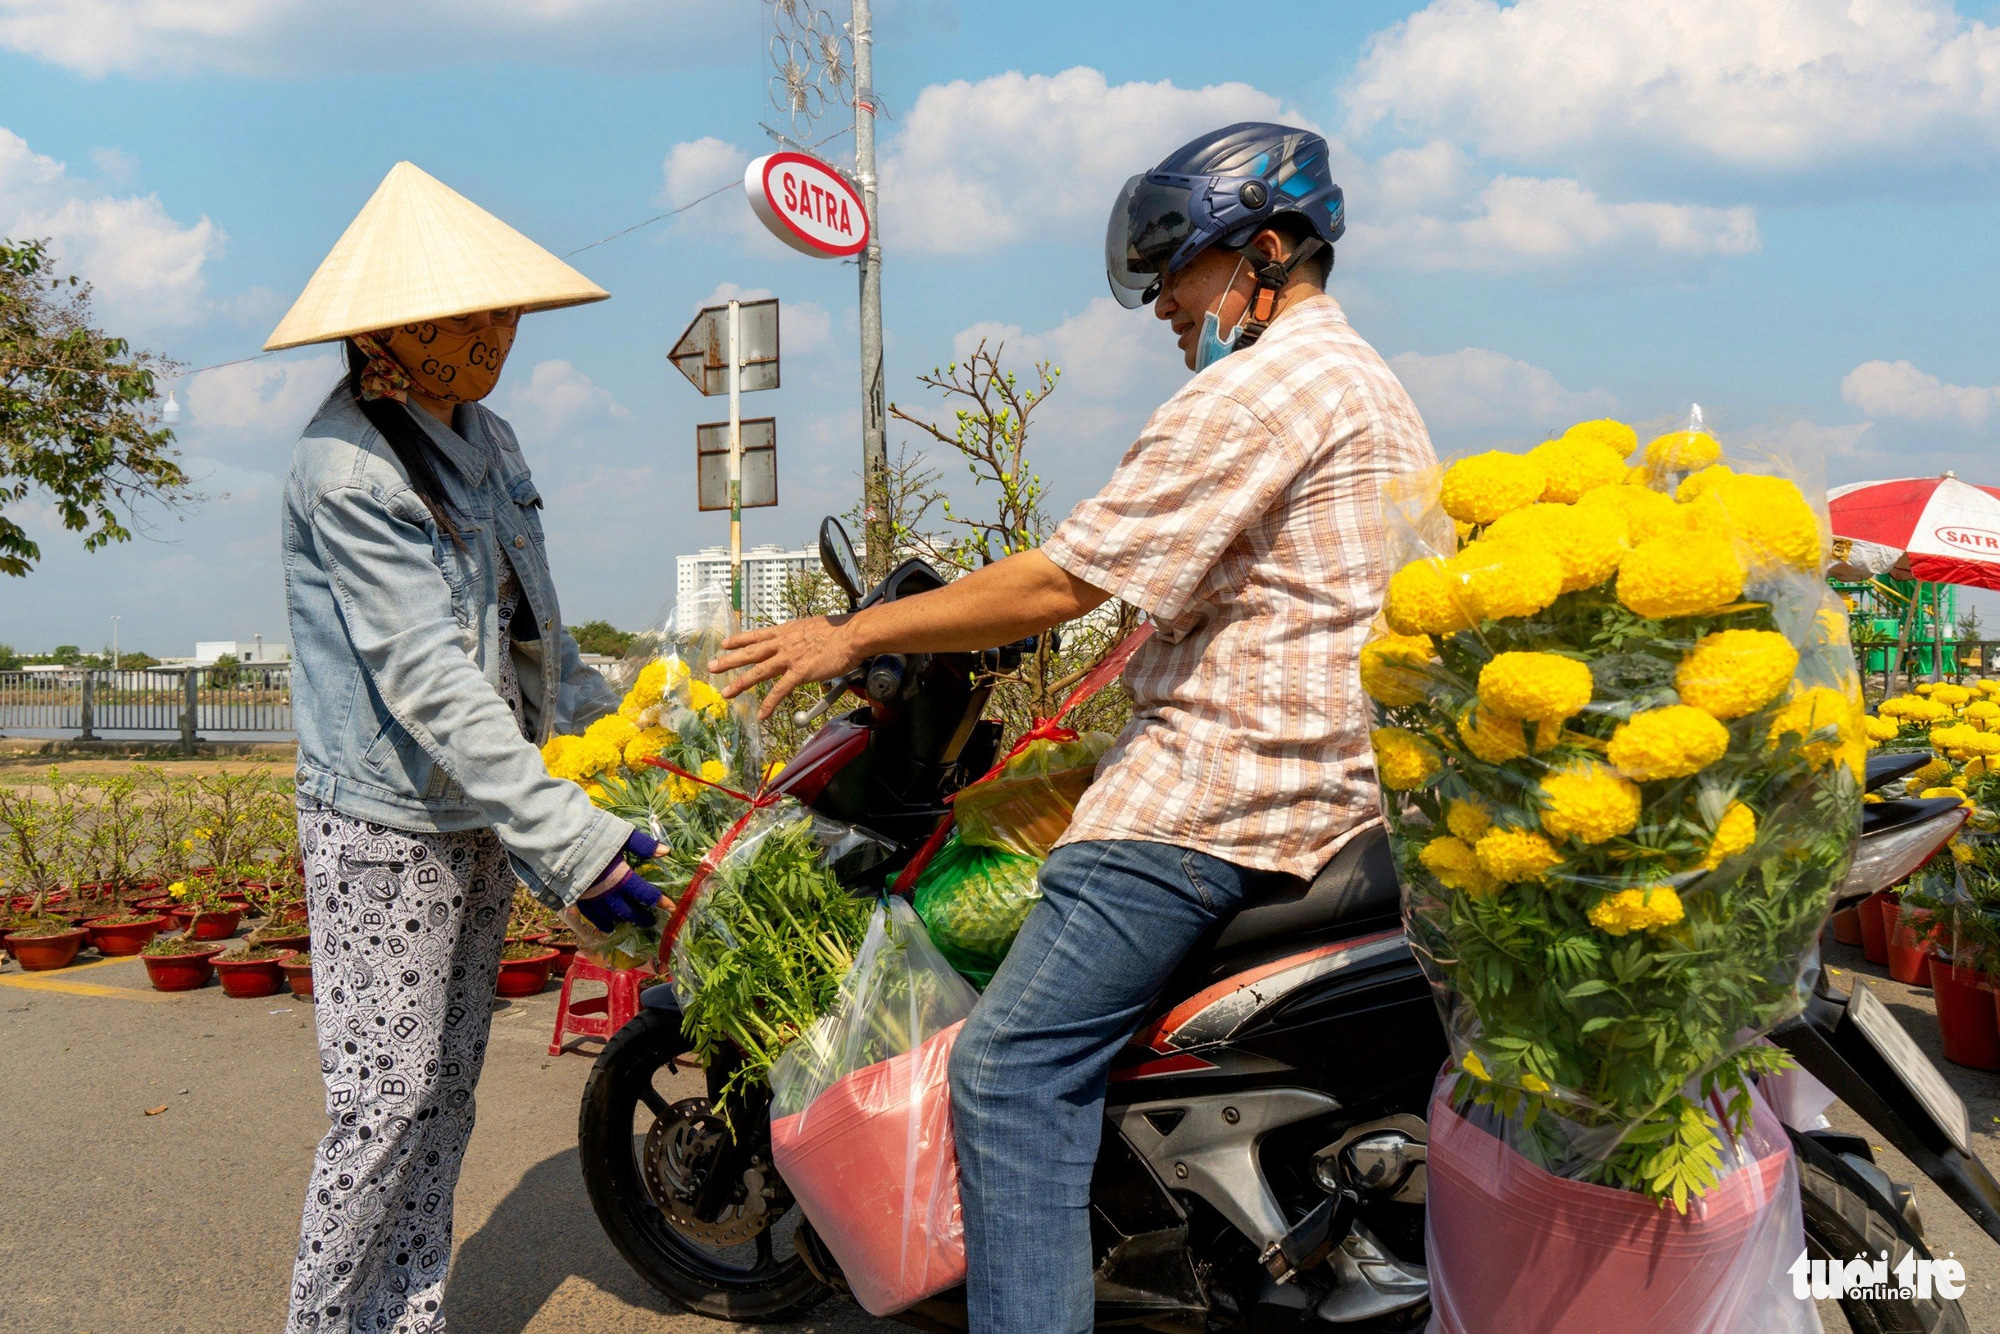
x: 1619, y: 740
x: 861, y: 1117
x: 771, y: 932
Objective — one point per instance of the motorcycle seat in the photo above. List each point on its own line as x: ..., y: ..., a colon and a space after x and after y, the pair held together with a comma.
x: 1355, y: 892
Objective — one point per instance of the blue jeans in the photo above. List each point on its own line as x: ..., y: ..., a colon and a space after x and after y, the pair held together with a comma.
x: 1028, y: 1068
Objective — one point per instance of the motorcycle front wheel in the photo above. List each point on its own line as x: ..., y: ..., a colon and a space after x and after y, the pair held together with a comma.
x: 1847, y: 1218
x: 704, y: 1218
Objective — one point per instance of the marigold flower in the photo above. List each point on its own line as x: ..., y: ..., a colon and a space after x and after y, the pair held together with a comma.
x: 613, y: 729
x: 1932, y: 773
x: 1542, y: 687
x: 1504, y: 580
x: 1735, y: 831
x: 1509, y: 855
x: 650, y: 742
x: 1630, y: 910
x: 1493, y: 739
x: 1947, y: 693
x: 1615, y: 436
x: 1589, y: 802
x: 705, y: 699
x: 1394, y: 668
x: 1576, y: 464
x: 1455, y: 866
x: 1697, y: 483
x: 1982, y: 709
x: 1672, y: 742
x: 1670, y: 576
x: 1925, y: 687
x: 1809, y: 714
x: 1767, y: 516
x: 1881, y: 729
x: 1588, y: 543
x: 1682, y: 451
x: 1424, y: 600
x: 1647, y: 512
x: 1956, y: 794
x: 647, y: 688
x: 595, y: 791
x: 1403, y: 760
x: 1734, y: 672
x: 1485, y: 486
x: 1467, y: 820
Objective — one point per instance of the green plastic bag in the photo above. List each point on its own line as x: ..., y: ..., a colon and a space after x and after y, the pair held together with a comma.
x: 973, y: 900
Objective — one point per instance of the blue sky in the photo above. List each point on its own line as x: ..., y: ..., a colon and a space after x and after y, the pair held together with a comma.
x: 1559, y: 209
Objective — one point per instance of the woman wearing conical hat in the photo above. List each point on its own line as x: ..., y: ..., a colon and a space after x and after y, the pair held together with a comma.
x: 430, y: 661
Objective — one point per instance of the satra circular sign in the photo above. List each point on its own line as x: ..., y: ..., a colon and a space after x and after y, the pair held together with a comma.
x: 807, y: 204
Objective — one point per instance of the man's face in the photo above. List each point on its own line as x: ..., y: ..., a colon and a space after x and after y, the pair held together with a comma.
x: 1187, y: 296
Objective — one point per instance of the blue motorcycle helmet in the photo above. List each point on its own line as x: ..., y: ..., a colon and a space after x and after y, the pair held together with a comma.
x: 1220, y: 190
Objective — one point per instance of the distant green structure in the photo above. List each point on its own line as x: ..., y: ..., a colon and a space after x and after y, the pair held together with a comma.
x: 1883, y: 612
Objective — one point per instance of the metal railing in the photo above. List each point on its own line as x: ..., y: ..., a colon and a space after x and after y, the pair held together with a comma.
x: 184, y: 700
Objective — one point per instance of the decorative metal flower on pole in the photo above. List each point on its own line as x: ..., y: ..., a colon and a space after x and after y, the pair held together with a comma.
x: 812, y: 63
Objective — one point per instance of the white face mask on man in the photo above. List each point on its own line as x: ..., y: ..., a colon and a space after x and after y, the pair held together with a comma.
x: 1211, y: 346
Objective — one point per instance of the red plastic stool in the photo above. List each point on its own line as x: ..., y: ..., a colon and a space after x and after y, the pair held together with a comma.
x: 597, y: 1016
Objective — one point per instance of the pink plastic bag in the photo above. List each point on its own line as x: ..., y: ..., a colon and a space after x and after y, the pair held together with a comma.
x: 1515, y: 1249
x: 876, y: 1170
x: 861, y: 1118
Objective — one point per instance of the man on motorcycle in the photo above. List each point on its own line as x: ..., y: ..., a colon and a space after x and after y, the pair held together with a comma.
x: 1245, y: 521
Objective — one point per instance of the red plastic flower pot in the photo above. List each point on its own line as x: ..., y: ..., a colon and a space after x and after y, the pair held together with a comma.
x: 299, y: 972
x: 248, y: 979
x: 565, y: 951
x: 1968, y: 1015
x: 41, y: 954
x: 182, y: 972
x: 528, y: 938
x: 1847, y: 926
x: 1874, y: 932
x: 220, y: 925
x: 525, y: 977
x: 1910, y: 943
x: 277, y: 938
x: 294, y: 912
x: 114, y: 938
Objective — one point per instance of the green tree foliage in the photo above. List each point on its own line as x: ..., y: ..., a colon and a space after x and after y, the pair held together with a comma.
x: 602, y: 637
x: 225, y: 671
x: 77, y: 421
x: 10, y: 659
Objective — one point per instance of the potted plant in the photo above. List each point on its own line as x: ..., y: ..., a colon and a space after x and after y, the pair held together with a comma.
x: 125, y: 933
x: 564, y: 942
x: 201, y: 910
x: 524, y: 969
x: 250, y: 971
x: 282, y: 936
x: 177, y: 963
x: 299, y: 972
x: 120, y: 842
x: 39, y: 842
x: 49, y: 945
x: 528, y: 922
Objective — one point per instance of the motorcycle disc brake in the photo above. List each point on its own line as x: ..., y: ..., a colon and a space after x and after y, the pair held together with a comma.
x: 681, y: 1150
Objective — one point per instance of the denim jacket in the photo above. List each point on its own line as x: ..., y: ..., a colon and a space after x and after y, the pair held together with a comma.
x: 395, y: 643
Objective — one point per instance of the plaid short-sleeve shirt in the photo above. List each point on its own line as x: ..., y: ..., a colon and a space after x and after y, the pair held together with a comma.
x: 1246, y: 521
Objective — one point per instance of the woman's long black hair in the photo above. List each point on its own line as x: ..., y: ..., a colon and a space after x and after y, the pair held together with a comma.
x: 407, y: 441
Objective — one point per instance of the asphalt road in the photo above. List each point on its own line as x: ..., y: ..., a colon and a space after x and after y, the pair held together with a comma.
x: 115, y: 1222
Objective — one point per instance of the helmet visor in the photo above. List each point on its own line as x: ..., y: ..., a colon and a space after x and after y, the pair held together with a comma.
x: 1148, y: 223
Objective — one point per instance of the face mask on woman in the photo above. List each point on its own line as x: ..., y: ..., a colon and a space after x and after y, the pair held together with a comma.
x: 437, y: 360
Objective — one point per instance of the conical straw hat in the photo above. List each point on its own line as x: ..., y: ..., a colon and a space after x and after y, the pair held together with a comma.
x: 419, y: 250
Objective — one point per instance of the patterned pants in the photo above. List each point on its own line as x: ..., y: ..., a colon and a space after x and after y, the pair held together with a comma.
x: 407, y: 931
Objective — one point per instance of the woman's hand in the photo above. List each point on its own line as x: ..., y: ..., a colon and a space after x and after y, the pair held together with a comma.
x: 818, y: 648
x: 621, y: 894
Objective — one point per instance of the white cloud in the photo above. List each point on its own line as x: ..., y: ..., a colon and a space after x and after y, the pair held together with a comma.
x: 147, y: 268
x: 1524, y: 222
x: 267, y: 402
x: 1104, y: 351
x: 1774, y: 85
x: 556, y: 402
x: 697, y: 166
x: 1475, y: 389
x: 1899, y: 390
x: 146, y: 37
x: 980, y: 165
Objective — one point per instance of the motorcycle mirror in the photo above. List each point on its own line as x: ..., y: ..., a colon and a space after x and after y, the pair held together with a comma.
x: 836, y: 557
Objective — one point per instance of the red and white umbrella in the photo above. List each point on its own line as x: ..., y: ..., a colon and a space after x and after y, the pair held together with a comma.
x: 1949, y: 530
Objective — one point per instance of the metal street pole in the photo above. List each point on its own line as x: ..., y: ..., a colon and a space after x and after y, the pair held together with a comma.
x: 874, y: 435
x: 735, y: 466
x: 114, y: 643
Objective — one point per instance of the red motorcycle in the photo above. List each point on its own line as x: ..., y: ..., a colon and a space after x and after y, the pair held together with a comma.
x: 1262, y: 1165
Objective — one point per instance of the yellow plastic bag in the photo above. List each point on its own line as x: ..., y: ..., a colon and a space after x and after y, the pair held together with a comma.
x: 1027, y: 805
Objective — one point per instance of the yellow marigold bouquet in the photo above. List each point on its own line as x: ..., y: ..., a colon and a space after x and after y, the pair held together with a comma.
x: 1619, y: 738
x: 1960, y: 723
x: 673, y: 713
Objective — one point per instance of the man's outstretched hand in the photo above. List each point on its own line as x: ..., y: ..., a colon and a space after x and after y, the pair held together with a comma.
x: 818, y: 648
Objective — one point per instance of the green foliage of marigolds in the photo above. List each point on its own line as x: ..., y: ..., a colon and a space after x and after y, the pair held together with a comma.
x: 761, y: 956
x: 1603, y: 1049
x: 77, y: 421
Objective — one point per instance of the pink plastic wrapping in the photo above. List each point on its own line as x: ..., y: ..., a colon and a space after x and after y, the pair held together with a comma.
x: 861, y: 1118
x: 1515, y: 1249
